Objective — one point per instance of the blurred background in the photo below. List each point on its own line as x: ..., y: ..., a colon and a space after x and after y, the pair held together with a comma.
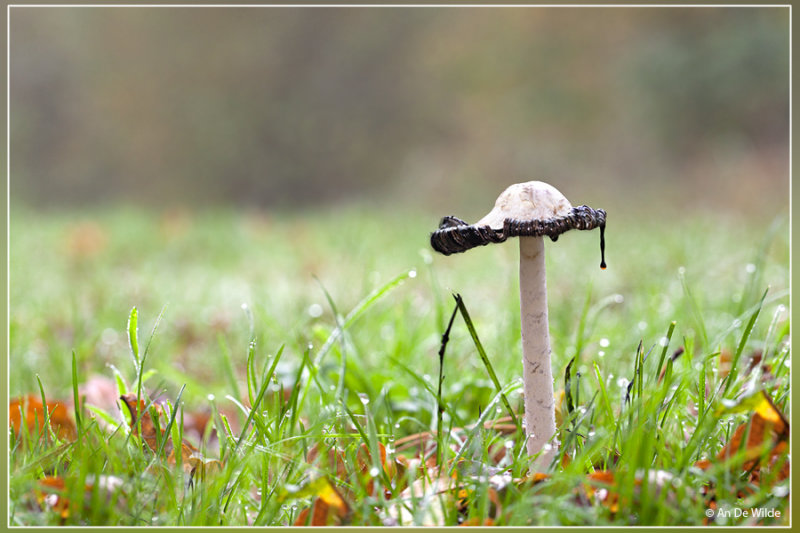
x: 434, y: 108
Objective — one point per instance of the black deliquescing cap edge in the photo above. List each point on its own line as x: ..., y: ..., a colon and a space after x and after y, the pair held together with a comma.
x: 456, y: 236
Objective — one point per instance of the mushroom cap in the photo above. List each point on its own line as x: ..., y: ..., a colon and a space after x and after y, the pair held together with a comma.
x: 531, y: 209
x: 532, y: 200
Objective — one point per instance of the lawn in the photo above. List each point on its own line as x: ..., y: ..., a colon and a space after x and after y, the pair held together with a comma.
x: 302, y: 353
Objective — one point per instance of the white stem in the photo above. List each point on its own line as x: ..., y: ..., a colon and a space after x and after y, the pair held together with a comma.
x: 537, y: 374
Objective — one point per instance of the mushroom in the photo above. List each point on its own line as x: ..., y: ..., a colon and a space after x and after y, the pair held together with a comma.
x: 529, y: 211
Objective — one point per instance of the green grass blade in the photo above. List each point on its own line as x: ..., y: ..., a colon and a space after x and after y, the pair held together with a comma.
x: 664, y: 349
x: 227, y: 360
x: 484, y: 358
x: 357, y: 311
x: 133, y: 336
x: 605, y: 401
x: 168, y: 428
x: 740, y: 348
x: 75, y: 395
x: 693, y: 307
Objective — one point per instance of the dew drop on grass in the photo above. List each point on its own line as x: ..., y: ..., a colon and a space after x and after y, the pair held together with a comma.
x: 618, y: 298
x: 601, y: 353
x: 681, y: 270
x: 642, y: 325
x: 374, y: 471
x: 412, y: 273
x: 750, y: 268
x: 698, y: 366
x: 604, y: 342
x: 396, y: 426
x: 211, y: 397
x: 508, y: 444
x: 622, y: 382
x: 663, y: 342
x: 315, y: 310
x: 364, y: 398
x: 787, y: 363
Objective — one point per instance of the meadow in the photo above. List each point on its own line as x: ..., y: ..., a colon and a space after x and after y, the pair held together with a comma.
x: 298, y: 355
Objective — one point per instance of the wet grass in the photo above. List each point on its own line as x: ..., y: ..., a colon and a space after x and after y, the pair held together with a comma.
x: 331, y: 325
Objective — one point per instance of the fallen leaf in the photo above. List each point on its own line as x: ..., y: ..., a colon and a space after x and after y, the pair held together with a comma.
x: 191, y: 460
x: 767, y: 426
x: 327, y: 508
x: 31, y: 410
x: 50, y: 492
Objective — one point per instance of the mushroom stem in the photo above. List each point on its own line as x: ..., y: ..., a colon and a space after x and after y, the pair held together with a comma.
x: 537, y: 374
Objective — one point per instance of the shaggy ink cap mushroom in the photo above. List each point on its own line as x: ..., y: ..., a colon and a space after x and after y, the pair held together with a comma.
x: 531, y: 209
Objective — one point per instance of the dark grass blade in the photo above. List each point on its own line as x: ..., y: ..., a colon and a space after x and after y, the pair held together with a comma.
x: 439, y: 403
x: 568, y: 386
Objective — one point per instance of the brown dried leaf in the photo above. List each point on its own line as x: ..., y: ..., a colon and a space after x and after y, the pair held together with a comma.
x: 192, y: 461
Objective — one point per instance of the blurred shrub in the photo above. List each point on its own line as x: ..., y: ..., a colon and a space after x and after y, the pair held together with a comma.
x: 282, y: 106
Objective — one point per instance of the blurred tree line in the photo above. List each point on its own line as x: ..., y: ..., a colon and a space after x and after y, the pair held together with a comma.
x: 300, y: 106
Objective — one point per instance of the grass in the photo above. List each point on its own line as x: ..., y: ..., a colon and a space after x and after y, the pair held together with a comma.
x: 310, y: 332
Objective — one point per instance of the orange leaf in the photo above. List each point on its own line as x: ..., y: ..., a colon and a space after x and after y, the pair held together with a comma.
x: 30, y: 408
x: 477, y: 522
x: 50, y: 495
x: 600, y: 486
x: 328, y: 505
